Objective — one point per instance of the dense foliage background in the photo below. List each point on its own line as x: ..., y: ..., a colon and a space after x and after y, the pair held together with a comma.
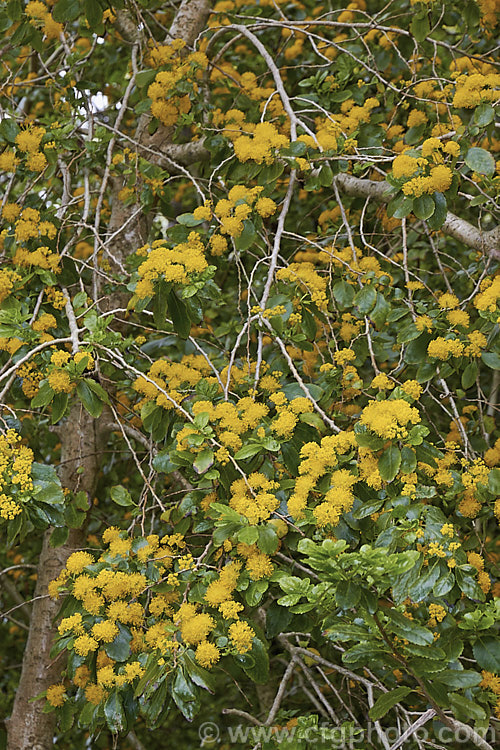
x: 249, y: 377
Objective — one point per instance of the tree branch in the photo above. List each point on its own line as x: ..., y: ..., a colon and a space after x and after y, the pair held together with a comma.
x: 459, y: 229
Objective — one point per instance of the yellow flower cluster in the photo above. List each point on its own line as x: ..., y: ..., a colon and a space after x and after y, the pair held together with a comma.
x: 38, y: 12
x: 482, y: 576
x: 441, y: 348
x: 257, y: 563
x: 253, y: 498
x: 474, y: 474
x: 262, y: 146
x: 56, y: 694
x: 241, y: 635
x: 233, y: 210
x: 317, y: 460
x: 8, y: 278
x: 173, y: 265
x: 472, y: 90
x: 167, y: 104
x: 389, y: 419
x: 486, y: 299
x: 184, y: 374
x: 220, y: 590
x: 437, y: 613
x: 15, y: 473
x: 306, y: 277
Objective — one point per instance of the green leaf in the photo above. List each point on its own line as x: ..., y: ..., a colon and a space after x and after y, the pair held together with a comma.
x: 121, y: 496
x: 494, y: 481
x: 203, y: 461
x: 389, y: 463
x: 487, y: 653
x: 247, y: 237
x: 248, y: 534
x: 144, y: 78
x: 74, y: 518
x: 113, y: 711
x: 347, y: 594
x: 89, y: 399
x: 491, y: 359
x: 464, y: 709
x: 119, y: 649
x: 426, y: 580
x: 93, y: 13
x: 59, y: 536
x: 420, y: 27
x: 188, y: 220
x: 160, y: 303
x: 98, y: 390
x: 162, y: 462
x: 403, y: 209
x: 408, y: 629
x: 44, y: 396
x: 247, y: 451
x: 423, y: 206
x: 481, y: 161
x: 444, y: 584
x: 59, y: 404
x: 268, y: 539
x: 255, y: 663
x: 464, y: 678
x: 255, y: 592
x: 200, y: 676
x: 437, y: 219
x: 408, y: 460
x: 179, y: 314
x: 185, y: 696
x: 8, y: 126
x: 365, y: 299
x: 484, y: 114
x: 386, y: 701
x: 277, y: 619
x: 66, y: 10
x: 366, y: 509
x: 469, y: 375
x: 343, y: 294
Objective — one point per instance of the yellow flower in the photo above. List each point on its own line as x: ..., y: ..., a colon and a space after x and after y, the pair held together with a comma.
x: 105, y: 631
x: 60, y: 382
x: 56, y: 695
x: 78, y: 561
x: 241, y: 635
x: 207, y: 654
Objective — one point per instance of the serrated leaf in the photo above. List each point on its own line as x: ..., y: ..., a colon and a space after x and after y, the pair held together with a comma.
x: 459, y: 678
x: 487, y: 653
x: 386, y: 701
x: 408, y: 629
